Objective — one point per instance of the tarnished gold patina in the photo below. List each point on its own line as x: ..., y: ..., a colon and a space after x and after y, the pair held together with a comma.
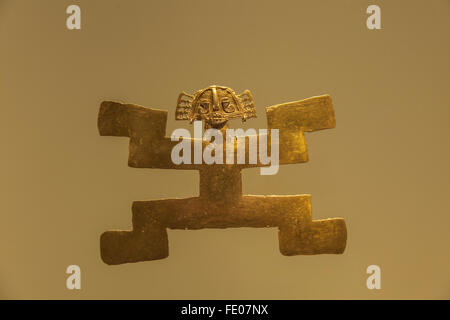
x: 220, y: 203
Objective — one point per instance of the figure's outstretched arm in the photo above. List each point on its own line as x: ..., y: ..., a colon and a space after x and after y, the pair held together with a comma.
x: 292, y: 119
x: 128, y: 120
x: 146, y: 128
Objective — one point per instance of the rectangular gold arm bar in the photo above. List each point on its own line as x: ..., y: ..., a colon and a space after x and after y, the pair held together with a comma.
x: 307, y: 115
x: 130, y: 120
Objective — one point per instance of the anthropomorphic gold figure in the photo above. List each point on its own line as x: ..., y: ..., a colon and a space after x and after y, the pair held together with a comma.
x: 220, y: 203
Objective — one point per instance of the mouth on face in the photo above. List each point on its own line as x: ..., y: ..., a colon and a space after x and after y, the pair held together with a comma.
x: 216, y: 118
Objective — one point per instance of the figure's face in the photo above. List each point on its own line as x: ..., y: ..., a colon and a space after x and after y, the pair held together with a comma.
x: 216, y: 106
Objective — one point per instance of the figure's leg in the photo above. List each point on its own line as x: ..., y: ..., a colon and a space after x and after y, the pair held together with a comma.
x: 133, y: 246
x: 148, y: 239
x: 300, y: 235
x: 318, y: 237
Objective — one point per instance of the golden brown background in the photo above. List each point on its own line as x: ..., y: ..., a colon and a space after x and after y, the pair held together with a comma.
x: 384, y: 168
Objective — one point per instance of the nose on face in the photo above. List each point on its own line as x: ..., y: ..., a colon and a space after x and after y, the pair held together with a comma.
x: 216, y: 107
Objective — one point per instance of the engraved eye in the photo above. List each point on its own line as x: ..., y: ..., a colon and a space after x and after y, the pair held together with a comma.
x: 227, y: 106
x: 203, y: 107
